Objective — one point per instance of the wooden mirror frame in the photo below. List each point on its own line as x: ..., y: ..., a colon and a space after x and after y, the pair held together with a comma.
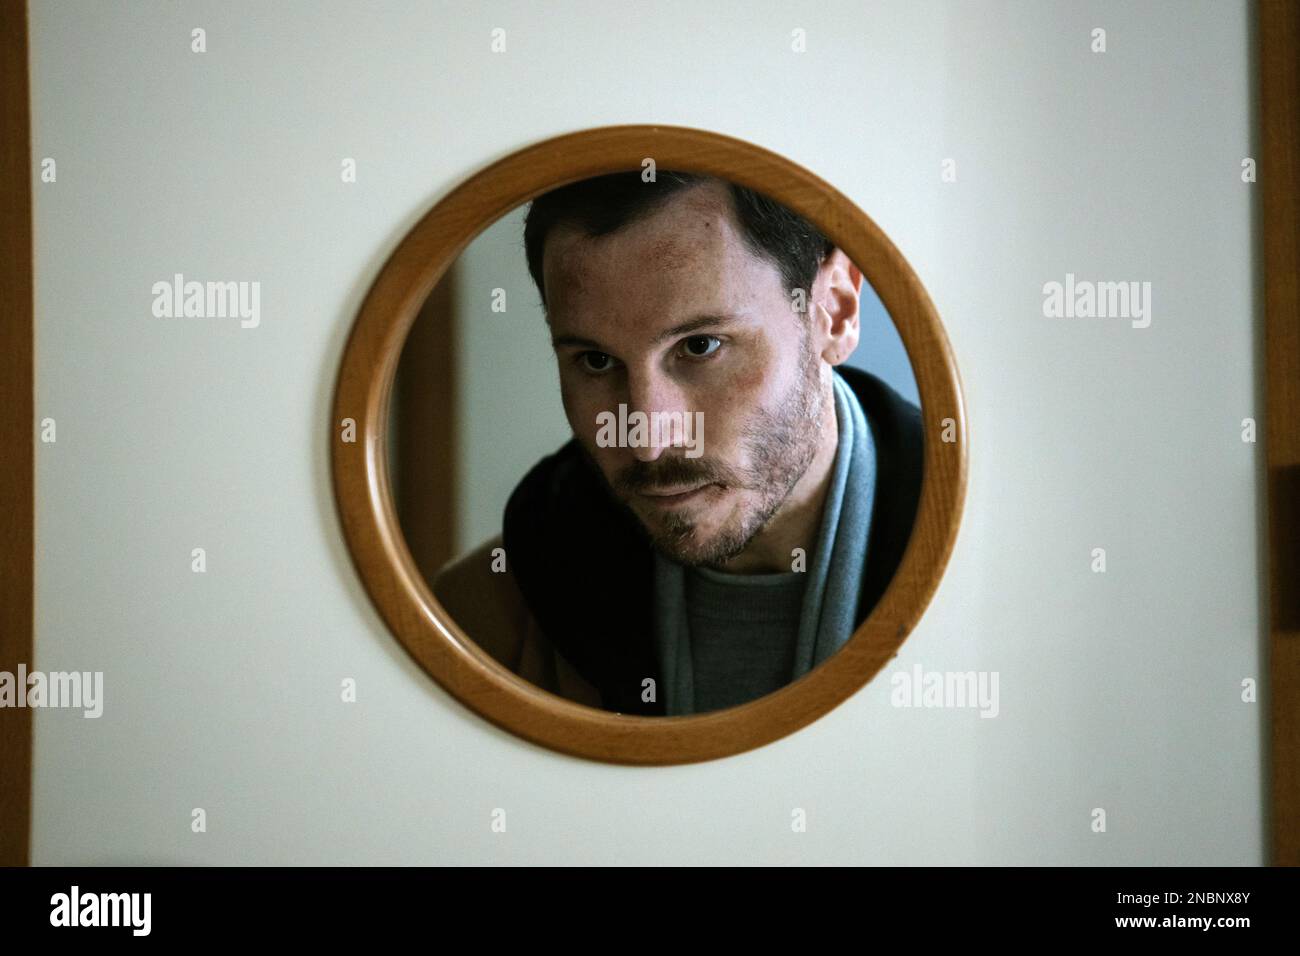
x: 364, y: 496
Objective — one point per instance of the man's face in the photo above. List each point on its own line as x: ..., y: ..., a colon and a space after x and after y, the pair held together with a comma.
x: 673, y: 313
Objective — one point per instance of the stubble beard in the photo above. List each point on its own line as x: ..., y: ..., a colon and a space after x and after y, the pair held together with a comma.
x: 779, y: 446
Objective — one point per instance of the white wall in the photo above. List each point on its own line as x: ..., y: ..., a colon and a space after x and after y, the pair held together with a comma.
x: 1118, y: 691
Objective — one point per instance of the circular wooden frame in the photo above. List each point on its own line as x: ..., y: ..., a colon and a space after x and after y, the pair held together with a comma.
x: 363, y: 492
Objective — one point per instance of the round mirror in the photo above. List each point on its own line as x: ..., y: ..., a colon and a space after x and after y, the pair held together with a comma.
x: 647, y: 443
x: 655, y: 443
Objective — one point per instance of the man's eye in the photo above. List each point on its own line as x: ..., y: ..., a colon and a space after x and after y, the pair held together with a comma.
x: 701, y: 346
x: 595, y: 361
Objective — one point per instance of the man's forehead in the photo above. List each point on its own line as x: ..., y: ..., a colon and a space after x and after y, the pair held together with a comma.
x: 667, y: 236
x: 687, y: 248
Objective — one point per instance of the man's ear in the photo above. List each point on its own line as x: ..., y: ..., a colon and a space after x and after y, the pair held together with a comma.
x: 835, y: 307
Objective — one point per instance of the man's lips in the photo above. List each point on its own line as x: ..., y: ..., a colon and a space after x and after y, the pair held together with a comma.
x: 665, y: 497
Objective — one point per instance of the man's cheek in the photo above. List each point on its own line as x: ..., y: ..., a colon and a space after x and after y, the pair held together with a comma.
x: 581, y: 416
x: 566, y: 398
x: 591, y: 427
x: 747, y: 376
x: 599, y: 440
x: 582, y: 404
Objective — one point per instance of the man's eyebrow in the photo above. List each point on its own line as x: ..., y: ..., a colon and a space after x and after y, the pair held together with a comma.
x: 560, y: 341
x: 685, y: 328
x: 697, y: 323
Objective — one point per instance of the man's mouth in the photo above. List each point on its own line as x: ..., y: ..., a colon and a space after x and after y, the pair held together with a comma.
x: 674, y: 496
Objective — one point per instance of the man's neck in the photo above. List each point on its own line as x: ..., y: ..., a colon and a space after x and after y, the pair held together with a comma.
x: 797, y: 521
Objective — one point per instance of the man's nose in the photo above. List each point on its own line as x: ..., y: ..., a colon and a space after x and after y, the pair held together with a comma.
x: 662, y: 402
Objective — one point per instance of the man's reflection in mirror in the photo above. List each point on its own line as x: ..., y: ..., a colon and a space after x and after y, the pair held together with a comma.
x: 734, y: 499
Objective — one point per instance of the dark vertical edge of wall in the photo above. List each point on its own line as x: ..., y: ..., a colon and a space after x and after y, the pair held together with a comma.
x: 17, y: 424
x: 426, y: 422
x: 1279, y: 179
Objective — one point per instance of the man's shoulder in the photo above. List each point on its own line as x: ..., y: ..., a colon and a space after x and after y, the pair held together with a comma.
x: 481, y: 594
x: 474, y: 567
x: 884, y: 406
x: 896, y: 427
x: 485, y: 602
x: 582, y: 561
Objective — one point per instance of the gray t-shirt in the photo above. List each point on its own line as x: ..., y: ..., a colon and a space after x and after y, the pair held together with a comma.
x: 743, y: 631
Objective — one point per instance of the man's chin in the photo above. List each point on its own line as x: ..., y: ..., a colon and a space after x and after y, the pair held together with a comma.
x: 691, y: 555
x: 698, y: 537
x: 693, y: 546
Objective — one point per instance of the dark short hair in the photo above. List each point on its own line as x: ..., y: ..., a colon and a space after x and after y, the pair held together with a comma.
x: 603, y: 204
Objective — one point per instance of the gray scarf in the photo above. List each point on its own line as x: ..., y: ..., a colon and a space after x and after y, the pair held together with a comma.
x: 830, y: 600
